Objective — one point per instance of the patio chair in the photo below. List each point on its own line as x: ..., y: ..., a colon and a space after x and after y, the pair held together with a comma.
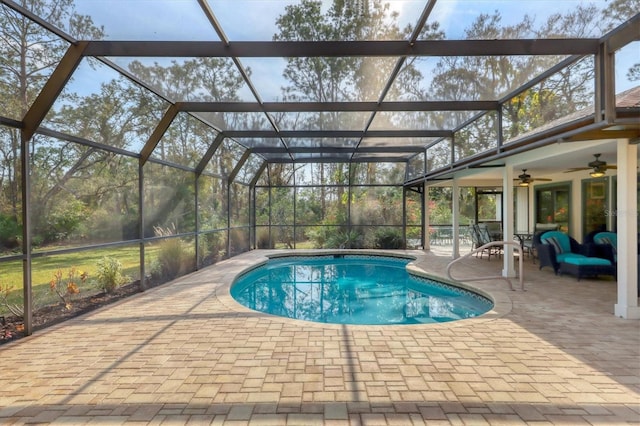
x: 588, y: 239
x: 565, y: 255
x: 606, y: 246
x: 529, y: 244
x: 475, y: 237
x: 480, y: 236
x: 494, y: 229
x: 445, y: 234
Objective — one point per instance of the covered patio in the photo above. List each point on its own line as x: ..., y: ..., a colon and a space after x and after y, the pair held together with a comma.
x: 186, y: 353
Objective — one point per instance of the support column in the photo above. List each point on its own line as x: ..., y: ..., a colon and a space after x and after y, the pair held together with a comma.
x: 25, y: 186
x: 507, y: 221
x: 455, y: 207
x: 627, y: 229
x: 425, y: 219
x: 522, y: 209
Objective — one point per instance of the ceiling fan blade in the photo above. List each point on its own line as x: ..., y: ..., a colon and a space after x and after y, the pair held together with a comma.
x: 611, y: 167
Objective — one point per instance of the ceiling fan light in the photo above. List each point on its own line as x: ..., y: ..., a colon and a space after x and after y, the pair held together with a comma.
x: 597, y: 173
x: 523, y: 183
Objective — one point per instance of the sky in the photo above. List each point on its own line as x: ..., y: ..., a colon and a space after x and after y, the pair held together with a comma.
x: 255, y: 19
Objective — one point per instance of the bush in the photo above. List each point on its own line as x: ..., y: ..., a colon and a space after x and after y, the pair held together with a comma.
x: 388, y: 238
x: 175, y: 258
x: 63, y: 220
x: 209, y: 248
x: 5, y: 301
x: 262, y: 239
x: 317, y: 235
x: 239, y: 240
x: 66, y: 287
x: 109, y: 274
x: 10, y: 232
x: 344, y: 240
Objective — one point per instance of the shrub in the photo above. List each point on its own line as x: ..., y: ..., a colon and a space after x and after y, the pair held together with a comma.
x: 344, y: 240
x: 10, y: 232
x: 175, y: 258
x: 317, y: 235
x: 388, y: 238
x: 208, y: 248
x: 63, y: 220
x: 263, y: 241
x: 171, y: 257
x: 109, y: 274
x: 67, y: 287
x: 5, y: 296
x: 239, y: 240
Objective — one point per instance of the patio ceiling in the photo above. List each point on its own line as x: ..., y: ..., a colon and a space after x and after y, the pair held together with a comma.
x: 550, y: 162
x: 373, y: 125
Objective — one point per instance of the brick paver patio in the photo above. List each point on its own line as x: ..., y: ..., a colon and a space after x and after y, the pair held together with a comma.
x: 186, y: 353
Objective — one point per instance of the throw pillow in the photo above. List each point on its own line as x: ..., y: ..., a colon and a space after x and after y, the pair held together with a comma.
x: 555, y: 242
x: 607, y: 240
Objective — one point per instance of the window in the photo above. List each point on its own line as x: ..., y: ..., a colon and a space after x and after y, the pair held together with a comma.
x: 489, y: 205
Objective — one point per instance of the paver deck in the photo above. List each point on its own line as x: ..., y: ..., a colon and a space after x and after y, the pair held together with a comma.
x: 186, y: 353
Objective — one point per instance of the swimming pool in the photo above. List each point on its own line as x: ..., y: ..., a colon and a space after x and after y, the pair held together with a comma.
x: 353, y: 289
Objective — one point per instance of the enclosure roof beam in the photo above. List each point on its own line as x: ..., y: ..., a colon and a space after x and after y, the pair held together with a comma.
x: 239, y: 164
x: 336, y: 106
x: 306, y: 49
x: 6, y: 121
x: 340, y: 160
x: 204, y: 5
x: 258, y: 174
x: 52, y: 89
x: 157, y: 134
x: 338, y: 149
x: 337, y: 133
x: 207, y: 155
x: 624, y: 34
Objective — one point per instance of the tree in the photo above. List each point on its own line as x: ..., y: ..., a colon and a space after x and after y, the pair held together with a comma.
x: 492, y: 77
x: 28, y: 55
x: 190, y: 135
x: 634, y: 73
x: 331, y: 79
x: 616, y: 13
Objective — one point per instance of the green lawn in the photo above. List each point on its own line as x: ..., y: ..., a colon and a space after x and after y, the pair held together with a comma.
x: 44, y: 269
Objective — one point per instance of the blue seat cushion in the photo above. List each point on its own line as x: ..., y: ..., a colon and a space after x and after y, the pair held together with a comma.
x: 583, y: 260
x: 562, y: 257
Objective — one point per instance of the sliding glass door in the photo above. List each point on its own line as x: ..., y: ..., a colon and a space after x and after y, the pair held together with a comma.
x: 595, y: 198
x: 553, y: 204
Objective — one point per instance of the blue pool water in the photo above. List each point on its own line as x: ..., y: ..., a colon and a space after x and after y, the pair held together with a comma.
x: 353, y: 289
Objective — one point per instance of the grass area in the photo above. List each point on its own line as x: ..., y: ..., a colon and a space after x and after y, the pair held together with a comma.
x: 44, y: 268
x: 308, y: 244
x: 304, y: 245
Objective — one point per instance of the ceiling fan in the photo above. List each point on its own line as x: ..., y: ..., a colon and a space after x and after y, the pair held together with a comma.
x: 598, y: 167
x: 525, y: 179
